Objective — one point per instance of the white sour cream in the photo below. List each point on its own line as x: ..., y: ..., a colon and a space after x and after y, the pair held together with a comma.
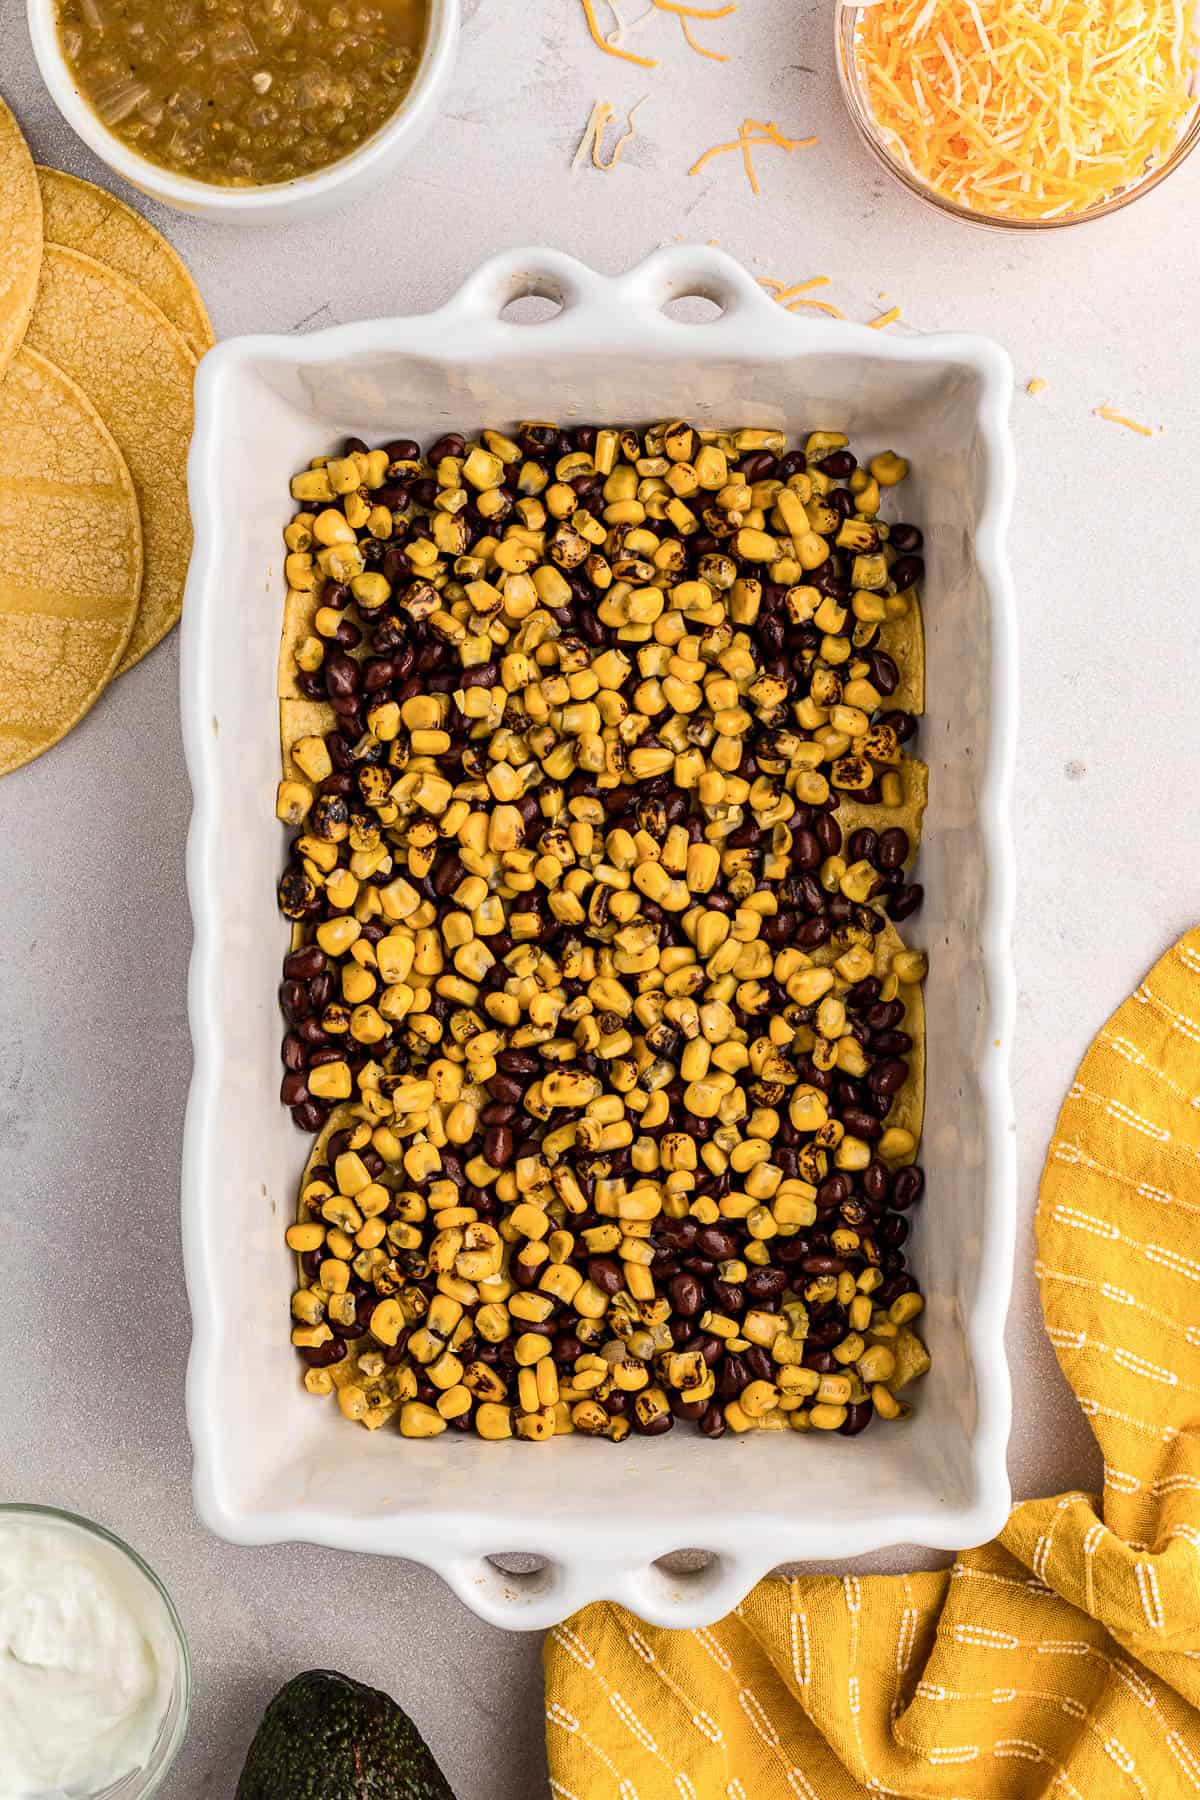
x: 85, y: 1662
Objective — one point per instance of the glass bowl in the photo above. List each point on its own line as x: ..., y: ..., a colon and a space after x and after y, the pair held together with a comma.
x: 845, y: 22
x: 140, y: 1783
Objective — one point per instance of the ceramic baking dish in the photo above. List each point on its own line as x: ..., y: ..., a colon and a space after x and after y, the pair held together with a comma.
x: 270, y: 1462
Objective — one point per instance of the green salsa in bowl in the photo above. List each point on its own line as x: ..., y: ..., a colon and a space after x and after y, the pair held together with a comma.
x: 251, y: 109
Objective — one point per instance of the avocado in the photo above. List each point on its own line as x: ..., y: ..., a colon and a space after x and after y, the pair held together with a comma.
x: 325, y: 1737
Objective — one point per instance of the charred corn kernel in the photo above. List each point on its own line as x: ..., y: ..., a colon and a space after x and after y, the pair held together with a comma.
x: 420, y: 1421
x: 331, y: 1081
x: 905, y: 1308
x: 759, y: 1397
x: 887, y: 468
x: 387, y: 1322
x: 876, y: 1365
x: 827, y: 1417
x: 910, y: 966
x: 302, y: 1238
x: 307, y: 1306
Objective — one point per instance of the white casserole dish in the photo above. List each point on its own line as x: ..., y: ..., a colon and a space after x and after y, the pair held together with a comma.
x: 270, y: 1462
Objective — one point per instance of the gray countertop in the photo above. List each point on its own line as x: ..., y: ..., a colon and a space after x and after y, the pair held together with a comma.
x: 95, y: 933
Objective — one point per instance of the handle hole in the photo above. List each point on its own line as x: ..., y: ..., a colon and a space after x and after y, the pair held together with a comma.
x: 531, y: 309
x: 686, y: 1562
x: 692, y: 309
x: 518, y: 1563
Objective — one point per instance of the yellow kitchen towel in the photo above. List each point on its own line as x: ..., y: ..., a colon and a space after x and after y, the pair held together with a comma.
x: 1062, y: 1660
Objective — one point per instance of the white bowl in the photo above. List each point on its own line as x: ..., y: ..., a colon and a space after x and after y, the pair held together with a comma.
x: 284, y: 201
x: 271, y: 1463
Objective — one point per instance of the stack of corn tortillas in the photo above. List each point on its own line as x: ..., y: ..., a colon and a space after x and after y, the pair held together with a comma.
x: 100, y: 331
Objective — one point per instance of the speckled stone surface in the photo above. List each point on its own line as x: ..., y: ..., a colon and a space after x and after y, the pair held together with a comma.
x: 94, y: 928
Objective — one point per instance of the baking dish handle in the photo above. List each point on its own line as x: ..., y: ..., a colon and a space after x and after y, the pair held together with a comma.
x: 681, y: 271
x: 545, y: 1596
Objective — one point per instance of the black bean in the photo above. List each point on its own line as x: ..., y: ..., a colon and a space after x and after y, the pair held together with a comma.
x: 906, y: 902
x: 858, y: 1416
x: 908, y: 571
x: 888, y: 1077
x: 712, y: 1423
x: 686, y: 1295
x: 717, y: 1245
x: 839, y: 463
x: 760, y: 465
x: 765, y: 1284
x: 883, y: 672
x: 652, y: 1427
x: 498, y: 1146
x: 605, y: 1273
x: 908, y: 1186
x: 893, y: 848
x: 293, y: 1089
x: 829, y: 833
x: 875, y: 1181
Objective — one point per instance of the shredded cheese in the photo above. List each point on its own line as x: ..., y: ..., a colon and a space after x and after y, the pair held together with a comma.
x: 1036, y: 386
x: 1028, y: 109
x: 684, y: 12
x: 1116, y: 418
x: 592, y: 141
x: 885, y: 318
x: 597, y: 119
x: 750, y: 132
x: 610, y: 49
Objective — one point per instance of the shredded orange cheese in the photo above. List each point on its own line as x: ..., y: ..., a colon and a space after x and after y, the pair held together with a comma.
x: 1030, y: 109
x: 885, y: 318
x: 683, y: 13
x: 602, y: 43
x: 1116, y: 418
x: 753, y: 131
x: 1036, y: 386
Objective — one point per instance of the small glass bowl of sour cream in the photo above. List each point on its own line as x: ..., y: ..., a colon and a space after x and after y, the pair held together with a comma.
x: 95, y: 1676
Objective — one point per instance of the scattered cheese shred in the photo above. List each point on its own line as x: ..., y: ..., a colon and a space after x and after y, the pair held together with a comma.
x: 753, y: 131
x: 610, y: 49
x: 592, y: 141
x: 689, y: 40
x: 1036, y: 386
x: 684, y: 12
x: 1116, y: 418
x: 825, y: 306
x: 885, y: 318
x: 1028, y: 109
x: 802, y: 287
x: 793, y: 295
x: 597, y: 119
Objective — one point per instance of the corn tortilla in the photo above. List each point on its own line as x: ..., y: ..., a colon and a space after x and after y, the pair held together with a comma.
x: 300, y: 719
x: 299, y: 616
x: 137, y: 371
x: 70, y: 557
x: 20, y: 236
x: 81, y: 216
x: 852, y: 815
x: 904, y: 641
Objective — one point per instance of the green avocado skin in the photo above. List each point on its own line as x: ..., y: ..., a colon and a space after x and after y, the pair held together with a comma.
x: 325, y: 1737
